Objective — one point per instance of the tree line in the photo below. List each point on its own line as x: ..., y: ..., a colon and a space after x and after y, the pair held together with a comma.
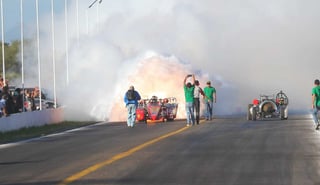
x: 12, y: 59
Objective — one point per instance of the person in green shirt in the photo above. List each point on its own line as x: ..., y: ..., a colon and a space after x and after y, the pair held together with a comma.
x: 316, y: 102
x: 188, y: 94
x: 210, y: 97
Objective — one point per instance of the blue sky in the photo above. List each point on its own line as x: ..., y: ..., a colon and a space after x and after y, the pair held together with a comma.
x: 11, y: 14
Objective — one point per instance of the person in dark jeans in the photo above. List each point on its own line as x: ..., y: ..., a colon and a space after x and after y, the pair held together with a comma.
x: 196, y: 99
x: 210, y: 98
x: 189, y: 97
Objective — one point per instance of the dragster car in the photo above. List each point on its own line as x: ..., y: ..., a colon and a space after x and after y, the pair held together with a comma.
x: 157, y: 109
x: 269, y: 107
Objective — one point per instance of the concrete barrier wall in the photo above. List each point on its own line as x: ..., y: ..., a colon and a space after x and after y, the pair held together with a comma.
x: 28, y: 119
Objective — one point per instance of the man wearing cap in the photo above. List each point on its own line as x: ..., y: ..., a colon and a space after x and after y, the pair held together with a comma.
x: 210, y: 97
x: 188, y: 94
x: 197, y: 92
x: 131, y: 99
x: 316, y: 102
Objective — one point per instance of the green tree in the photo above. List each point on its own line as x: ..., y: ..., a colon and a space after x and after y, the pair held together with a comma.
x: 12, y: 65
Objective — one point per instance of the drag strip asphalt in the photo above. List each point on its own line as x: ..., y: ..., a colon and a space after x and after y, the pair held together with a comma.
x: 223, y: 151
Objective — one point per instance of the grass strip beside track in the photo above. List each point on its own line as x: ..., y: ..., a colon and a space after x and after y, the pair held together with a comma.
x: 37, y: 131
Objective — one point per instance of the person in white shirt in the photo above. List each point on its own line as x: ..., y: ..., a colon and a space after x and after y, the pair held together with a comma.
x: 196, y: 95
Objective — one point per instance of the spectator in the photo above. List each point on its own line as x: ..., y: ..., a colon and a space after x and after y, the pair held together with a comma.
x: 3, y: 110
x: 9, y: 100
x: 18, y: 100
x: 36, y: 92
x: 29, y: 97
x: 1, y: 83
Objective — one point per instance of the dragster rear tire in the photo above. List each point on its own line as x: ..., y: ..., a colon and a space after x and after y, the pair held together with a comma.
x: 282, y: 113
x: 249, y: 115
x: 254, y: 114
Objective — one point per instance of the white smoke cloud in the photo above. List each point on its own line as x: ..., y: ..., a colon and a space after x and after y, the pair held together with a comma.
x: 245, y: 48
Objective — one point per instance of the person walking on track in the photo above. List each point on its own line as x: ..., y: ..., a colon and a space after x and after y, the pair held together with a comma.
x: 210, y: 98
x: 316, y: 102
x: 131, y: 99
x: 196, y: 95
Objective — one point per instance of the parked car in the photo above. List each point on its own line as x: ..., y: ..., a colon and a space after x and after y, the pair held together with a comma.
x: 31, y: 104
